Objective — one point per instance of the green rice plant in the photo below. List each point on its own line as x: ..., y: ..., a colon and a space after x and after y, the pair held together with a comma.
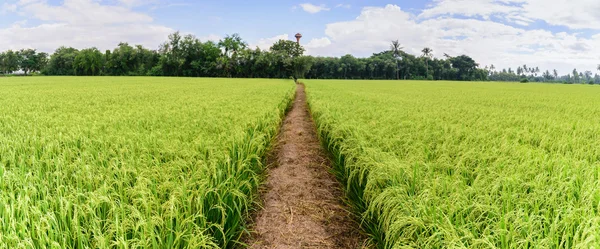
x: 466, y: 165
x: 132, y: 162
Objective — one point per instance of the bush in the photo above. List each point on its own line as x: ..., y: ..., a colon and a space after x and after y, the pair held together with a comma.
x: 155, y: 71
x: 524, y: 80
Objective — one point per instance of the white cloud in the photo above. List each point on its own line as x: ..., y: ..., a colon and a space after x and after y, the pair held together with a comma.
x: 134, y: 3
x: 487, y: 41
x: 6, y: 7
x: 318, y: 43
x: 83, y: 12
x: 48, y: 37
x: 471, y: 8
x: 314, y: 45
x: 81, y: 24
x: 211, y: 37
x: 266, y: 43
x: 580, y: 14
x: 345, y: 6
x: 311, y: 8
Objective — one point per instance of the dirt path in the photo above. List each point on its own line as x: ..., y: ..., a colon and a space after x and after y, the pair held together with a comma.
x: 302, y: 201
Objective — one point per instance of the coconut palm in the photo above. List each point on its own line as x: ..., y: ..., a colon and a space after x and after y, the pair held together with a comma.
x: 427, y: 54
x: 396, y: 50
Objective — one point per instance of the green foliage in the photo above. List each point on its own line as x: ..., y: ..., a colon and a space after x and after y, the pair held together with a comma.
x: 9, y: 62
x: 524, y: 80
x: 89, y: 61
x: 465, y: 67
x: 289, y: 57
x: 31, y: 61
x: 386, y: 65
x: 287, y: 49
x: 62, y: 62
x: 127, y: 60
x: 132, y: 162
x: 466, y: 165
x: 188, y: 56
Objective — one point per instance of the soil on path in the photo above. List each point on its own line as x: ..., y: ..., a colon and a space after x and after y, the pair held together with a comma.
x: 303, y: 205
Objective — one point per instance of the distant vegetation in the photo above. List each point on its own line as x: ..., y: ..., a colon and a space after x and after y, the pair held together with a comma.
x: 231, y: 57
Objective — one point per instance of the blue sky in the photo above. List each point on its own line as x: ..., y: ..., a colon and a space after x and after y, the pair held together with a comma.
x: 561, y: 34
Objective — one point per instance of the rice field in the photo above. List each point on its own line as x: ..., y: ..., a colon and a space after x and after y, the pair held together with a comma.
x: 466, y: 165
x: 132, y: 162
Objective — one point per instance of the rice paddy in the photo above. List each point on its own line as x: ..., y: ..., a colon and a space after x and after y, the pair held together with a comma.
x: 132, y: 162
x: 139, y: 162
x: 466, y: 165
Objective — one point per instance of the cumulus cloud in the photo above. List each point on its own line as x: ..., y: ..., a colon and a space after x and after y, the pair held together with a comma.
x: 580, y: 14
x: 313, y: 9
x: 81, y: 24
x: 487, y: 41
x: 471, y: 8
x: 266, y: 43
x: 315, y: 45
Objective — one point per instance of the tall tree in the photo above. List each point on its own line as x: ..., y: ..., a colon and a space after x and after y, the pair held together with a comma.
x: 396, y: 50
x: 231, y: 45
x: 62, y: 61
x: 9, y: 62
x: 289, y: 56
x: 27, y: 60
x: 465, y: 66
x: 172, y: 57
x: 427, y: 55
x: 575, y: 76
x: 89, y: 62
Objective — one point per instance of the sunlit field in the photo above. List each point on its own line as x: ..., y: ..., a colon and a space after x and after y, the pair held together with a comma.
x: 132, y: 162
x: 466, y: 165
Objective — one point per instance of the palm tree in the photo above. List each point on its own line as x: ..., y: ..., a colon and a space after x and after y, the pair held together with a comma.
x: 556, y: 73
x: 396, y: 50
x: 598, y: 68
x: 427, y: 54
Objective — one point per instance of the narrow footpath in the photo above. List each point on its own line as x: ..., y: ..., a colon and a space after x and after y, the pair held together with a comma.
x: 303, y: 205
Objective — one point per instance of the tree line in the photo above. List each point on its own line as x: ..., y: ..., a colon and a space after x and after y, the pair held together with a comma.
x: 531, y: 74
x: 187, y: 56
